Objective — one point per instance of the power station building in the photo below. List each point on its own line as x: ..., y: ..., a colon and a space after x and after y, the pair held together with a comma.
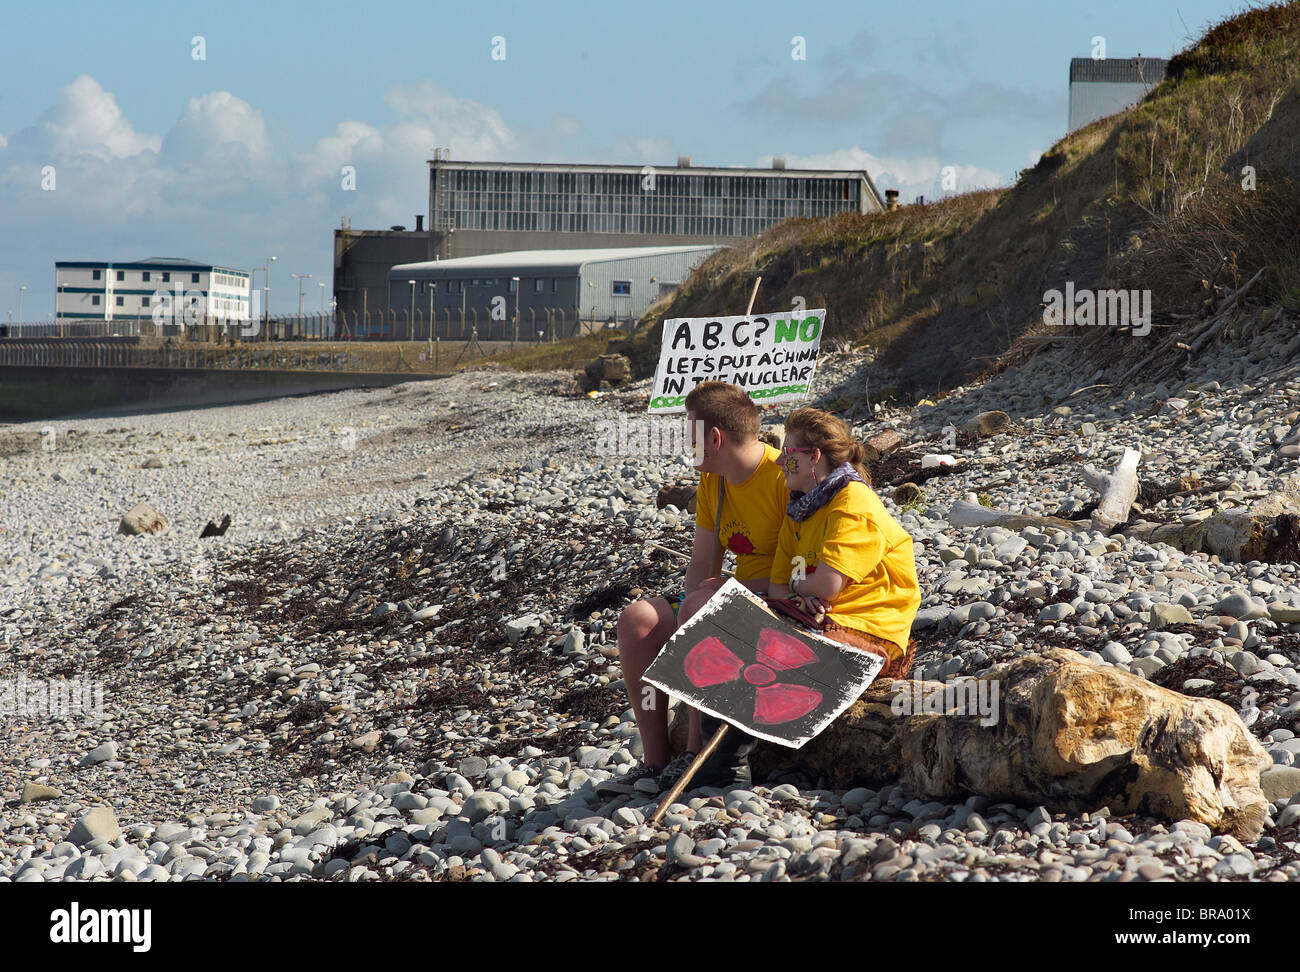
x: 484, y: 208
x: 493, y: 207
x: 551, y: 289
x: 1103, y: 86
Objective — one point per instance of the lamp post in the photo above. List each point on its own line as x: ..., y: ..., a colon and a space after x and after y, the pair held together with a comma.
x: 410, y: 320
x: 300, y: 277
x: 433, y: 285
x: 592, y: 285
x: 515, y: 281
x: 266, y: 289
x: 20, y: 303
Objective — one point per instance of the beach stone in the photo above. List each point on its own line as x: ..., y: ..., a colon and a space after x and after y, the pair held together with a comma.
x: 142, y: 519
x: 1163, y: 615
x: 97, y: 824
x: 482, y: 804
x: 35, y: 792
x: 472, y: 767
x: 100, y: 754
x: 1279, y: 783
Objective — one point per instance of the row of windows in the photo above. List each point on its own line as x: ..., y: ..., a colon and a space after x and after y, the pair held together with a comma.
x: 775, y: 209
x: 618, y: 288
x: 704, y: 226
x: 144, y: 276
x: 745, y: 187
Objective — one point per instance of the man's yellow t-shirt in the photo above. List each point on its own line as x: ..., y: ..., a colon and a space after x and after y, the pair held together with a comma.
x: 752, y: 512
x: 854, y: 534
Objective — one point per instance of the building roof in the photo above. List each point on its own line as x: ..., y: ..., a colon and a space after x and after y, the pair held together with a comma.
x: 545, y: 259
x: 1120, y: 70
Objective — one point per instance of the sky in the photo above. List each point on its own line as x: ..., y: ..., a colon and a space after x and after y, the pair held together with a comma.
x: 218, y: 132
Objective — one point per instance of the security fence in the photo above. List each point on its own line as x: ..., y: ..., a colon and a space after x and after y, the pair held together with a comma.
x: 533, y: 325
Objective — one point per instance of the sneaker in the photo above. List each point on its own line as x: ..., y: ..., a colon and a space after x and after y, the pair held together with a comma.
x: 674, y: 770
x: 641, y: 778
x: 723, y: 770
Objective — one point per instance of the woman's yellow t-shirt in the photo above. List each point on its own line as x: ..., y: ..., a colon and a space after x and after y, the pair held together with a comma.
x: 752, y: 512
x: 854, y: 534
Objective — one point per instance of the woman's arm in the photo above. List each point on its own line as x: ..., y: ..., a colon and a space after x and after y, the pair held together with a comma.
x: 819, y: 589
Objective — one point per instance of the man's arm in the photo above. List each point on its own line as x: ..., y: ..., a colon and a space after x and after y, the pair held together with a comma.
x: 701, y: 559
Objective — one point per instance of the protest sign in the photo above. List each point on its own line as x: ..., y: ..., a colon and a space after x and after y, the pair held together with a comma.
x: 738, y: 660
x: 771, y: 356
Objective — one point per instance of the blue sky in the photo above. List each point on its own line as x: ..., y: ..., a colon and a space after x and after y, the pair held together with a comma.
x: 237, y: 156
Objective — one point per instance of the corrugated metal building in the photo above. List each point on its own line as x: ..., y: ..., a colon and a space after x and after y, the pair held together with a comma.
x: 1103, y: 86
x: 495, y: 207
x: 555, y: 289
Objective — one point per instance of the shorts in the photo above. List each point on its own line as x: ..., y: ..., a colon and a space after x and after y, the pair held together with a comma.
x: 675, y: 601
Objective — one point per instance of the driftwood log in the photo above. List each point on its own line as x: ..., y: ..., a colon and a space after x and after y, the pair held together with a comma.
x: 1070, y: 735
x: 1267, y: 530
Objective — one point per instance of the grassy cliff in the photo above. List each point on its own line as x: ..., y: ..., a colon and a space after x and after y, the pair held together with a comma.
x: 1151, y: 198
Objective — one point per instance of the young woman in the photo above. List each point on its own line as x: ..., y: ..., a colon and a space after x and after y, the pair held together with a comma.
x: 840, y: 554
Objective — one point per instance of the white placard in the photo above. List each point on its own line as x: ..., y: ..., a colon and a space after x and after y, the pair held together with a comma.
x: 771, y: 356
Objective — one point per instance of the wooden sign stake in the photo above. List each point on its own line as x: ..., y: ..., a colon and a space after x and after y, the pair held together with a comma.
x: 677, y: 789
x: 752, y: 295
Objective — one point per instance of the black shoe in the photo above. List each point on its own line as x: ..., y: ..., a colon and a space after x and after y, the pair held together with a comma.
x: 728, y: 765
x: 640, y: 779
x: 674, y: 770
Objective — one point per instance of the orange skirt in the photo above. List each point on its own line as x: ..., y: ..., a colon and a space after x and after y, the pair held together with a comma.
x: 898, y: 661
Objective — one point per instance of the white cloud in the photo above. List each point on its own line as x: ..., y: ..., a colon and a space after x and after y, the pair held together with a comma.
x: 87, y: 121
x: 219, y: 128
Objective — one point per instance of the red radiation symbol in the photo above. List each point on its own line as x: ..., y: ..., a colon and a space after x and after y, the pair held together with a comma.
x: 712, y: 663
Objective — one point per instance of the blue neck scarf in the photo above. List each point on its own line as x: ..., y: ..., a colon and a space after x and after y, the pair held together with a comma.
x: 804, y: 505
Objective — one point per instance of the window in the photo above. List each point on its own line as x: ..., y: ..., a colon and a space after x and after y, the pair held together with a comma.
x: 120, y: 301
x: 555, y: 285
x: 539, y: 286
x: 167, y: 277
x: 194, y: 278
x: 622, y: 288
x: 94, y: 300
x: 512, y: 284
x: 95, y: 274
x: 144, y: 277
x: 121, y: 275
x: 144, y: 301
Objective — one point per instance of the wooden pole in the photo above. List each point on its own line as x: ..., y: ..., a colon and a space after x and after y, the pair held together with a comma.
x: 676, y: 791
x: 752, y: 295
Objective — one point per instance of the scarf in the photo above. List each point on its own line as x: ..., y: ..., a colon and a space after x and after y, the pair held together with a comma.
x: 804, y: 505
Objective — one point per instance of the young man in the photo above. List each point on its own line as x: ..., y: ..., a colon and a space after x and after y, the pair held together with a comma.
x: 753, y: 509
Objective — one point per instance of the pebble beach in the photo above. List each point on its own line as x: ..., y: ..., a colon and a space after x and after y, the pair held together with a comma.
x: 399, y: 662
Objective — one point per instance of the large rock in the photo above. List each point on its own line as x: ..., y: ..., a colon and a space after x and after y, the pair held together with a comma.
x: 682, y: 497
x: 35, y: 792
x: 882, y: 444
x: 986, y: 424
x: 97, y: 824
x: 142, y: 518
x: 613, y: 368
x: 1069, y: 735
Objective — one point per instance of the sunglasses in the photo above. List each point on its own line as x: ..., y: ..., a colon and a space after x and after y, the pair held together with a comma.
x: 789, y: 450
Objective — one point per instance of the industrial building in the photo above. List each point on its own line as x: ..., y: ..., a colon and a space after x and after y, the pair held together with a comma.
x: 1103, y: 86
x: 362, y: 259
x: 100, y: 291
x: 493, y: 207
x: 550, y: 289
